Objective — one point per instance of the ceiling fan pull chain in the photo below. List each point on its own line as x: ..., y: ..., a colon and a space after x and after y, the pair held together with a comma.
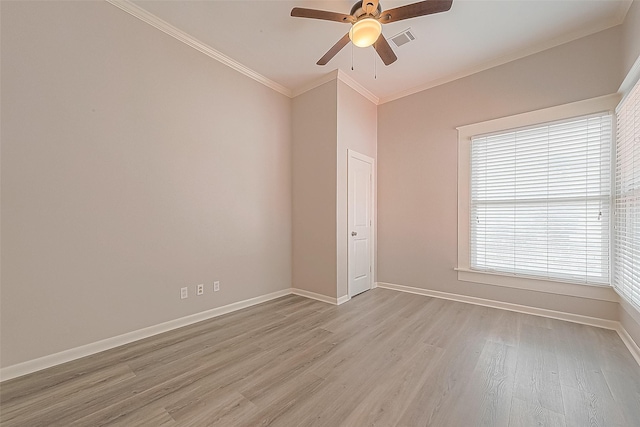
x: 375, y: 67
x: 351, y: 56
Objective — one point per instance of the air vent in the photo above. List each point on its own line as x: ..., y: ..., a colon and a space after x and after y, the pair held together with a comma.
x: 403, y: 38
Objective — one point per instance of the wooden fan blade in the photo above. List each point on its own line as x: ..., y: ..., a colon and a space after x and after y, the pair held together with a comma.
x: 334, y: 50
x: 300, y: 12
x: 384, y: 50
x: 422, y: 8
x: 369, y: 6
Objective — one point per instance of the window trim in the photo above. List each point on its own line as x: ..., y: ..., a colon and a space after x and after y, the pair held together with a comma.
x: 606, y: 103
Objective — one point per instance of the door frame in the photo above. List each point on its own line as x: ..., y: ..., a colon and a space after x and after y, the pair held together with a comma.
x: 351, y: 154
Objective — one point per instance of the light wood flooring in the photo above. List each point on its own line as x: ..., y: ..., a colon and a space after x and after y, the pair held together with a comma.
x: 385, y: 358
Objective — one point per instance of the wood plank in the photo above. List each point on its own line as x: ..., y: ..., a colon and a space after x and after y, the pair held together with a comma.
x: 55, y: 399
x: 525, y: 414
x: 588, y: 409
x: 391, y: 396
x: 441, y: 396
x: 488, y: 396
x: 537, y: 378
x: 578, y: 361
x: 281, y: 399
x: 147, y: 416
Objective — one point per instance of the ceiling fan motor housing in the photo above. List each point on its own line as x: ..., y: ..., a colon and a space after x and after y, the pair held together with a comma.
x: 358, y: 11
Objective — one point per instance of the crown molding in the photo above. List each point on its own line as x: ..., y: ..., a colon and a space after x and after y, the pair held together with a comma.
x: 519, y: 54
x: 349, y: 81
x: 189, y: 40
x: 338, y: 74
x: 333, y: 75
x: 151, y: 19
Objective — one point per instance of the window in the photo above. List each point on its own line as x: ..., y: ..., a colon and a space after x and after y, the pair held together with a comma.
x: 534, y: 209
x: 627, y: 199
x: 540, y: 200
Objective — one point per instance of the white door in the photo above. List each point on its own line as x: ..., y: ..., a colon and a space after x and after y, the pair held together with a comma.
x: 360, y: 213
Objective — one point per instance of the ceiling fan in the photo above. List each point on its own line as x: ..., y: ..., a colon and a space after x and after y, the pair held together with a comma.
x: 366, y: 21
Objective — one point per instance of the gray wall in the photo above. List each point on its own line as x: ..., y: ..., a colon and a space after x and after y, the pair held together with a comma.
x: 417, y: 162
x: 132, y: 165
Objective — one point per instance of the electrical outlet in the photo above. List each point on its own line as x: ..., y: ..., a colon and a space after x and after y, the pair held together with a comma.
x: 200, y: 289
x: 184, y: 292
x: 216, y: 286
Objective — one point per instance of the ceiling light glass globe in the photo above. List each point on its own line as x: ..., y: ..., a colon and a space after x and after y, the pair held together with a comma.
x: 365, y: 32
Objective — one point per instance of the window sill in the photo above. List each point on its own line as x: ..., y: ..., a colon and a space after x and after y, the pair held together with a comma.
x: 596, y: 292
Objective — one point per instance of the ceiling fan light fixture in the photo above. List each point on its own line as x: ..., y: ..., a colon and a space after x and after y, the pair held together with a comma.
x: 365, y: 32
x: 366, y: 19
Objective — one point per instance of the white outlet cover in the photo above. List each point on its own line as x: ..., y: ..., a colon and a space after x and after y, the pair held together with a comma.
x: 200, y: 289
x: 216, y: 286
x: 184, y: 293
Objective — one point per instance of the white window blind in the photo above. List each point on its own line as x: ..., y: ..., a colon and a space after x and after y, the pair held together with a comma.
x: 627, y: 199
x: 540, y: 200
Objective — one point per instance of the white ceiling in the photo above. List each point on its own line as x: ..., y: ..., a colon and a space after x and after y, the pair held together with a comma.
x: 473, y: 35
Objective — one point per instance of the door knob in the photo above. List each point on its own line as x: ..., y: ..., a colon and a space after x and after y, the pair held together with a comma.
x: 354, y: 233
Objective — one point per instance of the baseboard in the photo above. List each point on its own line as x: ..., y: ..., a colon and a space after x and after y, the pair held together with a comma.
x: 576, y: 318
x: 630, y: 310
x: 630, y: 325
x: 44, y: 362
x: 343, y: 299
x: 569, y: 317
x: 629, y: 342
x: 313, y: 295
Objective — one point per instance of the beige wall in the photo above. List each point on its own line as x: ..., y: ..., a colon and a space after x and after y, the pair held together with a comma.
x: 357, y: 130
x: 314, y: 129
x: 631, y: 37
x: 132, y: 165
x: 327, y: 121
x: 417, y: 162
